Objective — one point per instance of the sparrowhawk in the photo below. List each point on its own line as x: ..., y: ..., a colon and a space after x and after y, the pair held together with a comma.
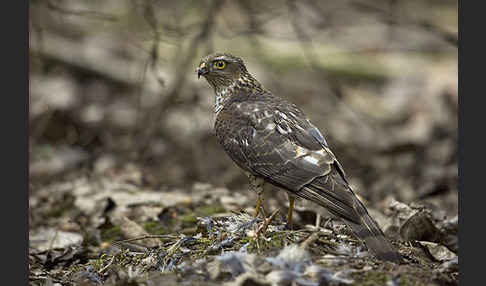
x: 273, y: 141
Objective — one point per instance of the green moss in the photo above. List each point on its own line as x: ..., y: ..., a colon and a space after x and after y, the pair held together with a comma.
x: 278, y: 239
x: 155, y: 227
x: 252, y: 244
x: 121, y: 259
x: 62, y: 207
x: 370, y: 278
x: 98, y: 264
x: 208, y: 210
x: 205, y: 241
x: 409, y: 280
x: 188, y: 219
x: 111, y: 234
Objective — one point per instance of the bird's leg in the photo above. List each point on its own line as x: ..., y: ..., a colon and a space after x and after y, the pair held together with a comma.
x: 291, y: 209
x: 258, y: 204
x: 256, y: 184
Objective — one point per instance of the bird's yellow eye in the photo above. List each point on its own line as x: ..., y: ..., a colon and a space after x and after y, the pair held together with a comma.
x: 220, y: 65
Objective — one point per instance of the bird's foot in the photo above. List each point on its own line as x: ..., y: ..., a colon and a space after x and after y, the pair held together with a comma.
x: 262, y: 229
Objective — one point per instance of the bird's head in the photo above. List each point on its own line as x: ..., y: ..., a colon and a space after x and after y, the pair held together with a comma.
x: 222, y: 70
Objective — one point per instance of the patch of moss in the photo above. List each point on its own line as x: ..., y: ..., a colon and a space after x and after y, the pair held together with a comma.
x: 201, y: 247
x: 278, y: 239
x: 371, y: 278
x: 155, y: 227
x: 97, y: 264
x: 208, y: 210
x: 111, y: 234
x: 62, y: 206
x: 205, y: 241
x: 410, y: 280
x: 253, y: 246
x: 189, y: 219
x: 121, y: 259
x: 381, y: 278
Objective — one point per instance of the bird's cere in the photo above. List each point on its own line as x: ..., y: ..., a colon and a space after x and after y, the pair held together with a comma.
x: 201, y: 70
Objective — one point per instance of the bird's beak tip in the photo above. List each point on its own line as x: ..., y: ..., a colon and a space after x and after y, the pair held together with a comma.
x: 201, y: 70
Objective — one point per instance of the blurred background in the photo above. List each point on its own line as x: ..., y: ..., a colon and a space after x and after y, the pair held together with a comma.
x: 113, y: 89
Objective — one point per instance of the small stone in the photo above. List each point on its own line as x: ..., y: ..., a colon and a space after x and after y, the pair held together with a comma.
x: 439, y: 252
x: 420, y: 227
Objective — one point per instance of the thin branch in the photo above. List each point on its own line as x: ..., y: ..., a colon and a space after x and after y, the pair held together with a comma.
x: 144, y: 237
x: 186, y: 63
x: 309, y: 53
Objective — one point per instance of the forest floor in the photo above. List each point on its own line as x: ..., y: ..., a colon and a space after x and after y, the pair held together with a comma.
x: 110, y: 230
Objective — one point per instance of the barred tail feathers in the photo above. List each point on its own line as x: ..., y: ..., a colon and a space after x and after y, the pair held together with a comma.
x: 340, y: 200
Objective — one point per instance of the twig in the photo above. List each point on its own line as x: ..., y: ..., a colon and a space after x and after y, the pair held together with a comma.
x: 313, y: 237
x: 152, y: 60
x: 51, y: 243
x: 306, y: 46
x: 183, y: 67
x: 167, y: 236
x: 102, y: 270
x: 266, y: 221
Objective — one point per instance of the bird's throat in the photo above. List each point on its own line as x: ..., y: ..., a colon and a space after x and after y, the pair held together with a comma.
x: 222, y: 96
x: 244, y: 85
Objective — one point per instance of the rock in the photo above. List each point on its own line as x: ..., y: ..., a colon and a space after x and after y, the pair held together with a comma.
x: 248, y: 279
x: 420, y: 227
x: 50, y: 238
x: 54, y: 161
x: 132, y: 229
x: 439, y: 252
x: 281, y: 277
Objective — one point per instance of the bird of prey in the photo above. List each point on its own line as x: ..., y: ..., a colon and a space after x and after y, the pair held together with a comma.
x: 273, y: 141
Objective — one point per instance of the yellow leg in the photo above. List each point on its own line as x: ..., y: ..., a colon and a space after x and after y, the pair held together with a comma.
x: 291, y: 210
x: 256, y: 184
x: 258, y: 205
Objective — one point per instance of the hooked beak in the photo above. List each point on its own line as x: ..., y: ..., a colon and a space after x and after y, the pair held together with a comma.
x: 202, y: 70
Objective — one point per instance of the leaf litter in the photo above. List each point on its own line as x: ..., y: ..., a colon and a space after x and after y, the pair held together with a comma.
x: 119, y: 231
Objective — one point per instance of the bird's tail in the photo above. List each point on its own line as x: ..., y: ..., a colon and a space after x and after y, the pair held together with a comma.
x: 338, y: 198
x: 374, y: 238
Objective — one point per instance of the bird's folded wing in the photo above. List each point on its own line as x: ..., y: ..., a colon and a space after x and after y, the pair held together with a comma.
x: 283, y: 147
x: 276, y: 142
